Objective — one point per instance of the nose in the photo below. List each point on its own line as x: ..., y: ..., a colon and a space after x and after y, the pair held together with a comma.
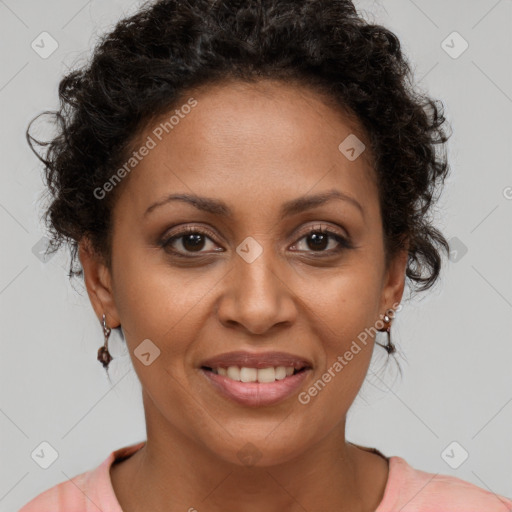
x: 257, y: 295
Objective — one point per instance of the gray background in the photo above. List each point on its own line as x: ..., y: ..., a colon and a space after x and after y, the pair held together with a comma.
x: 455, y: 342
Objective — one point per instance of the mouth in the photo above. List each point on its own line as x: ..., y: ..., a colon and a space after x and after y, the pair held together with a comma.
x: 256, y: 379
x: 250, y: 374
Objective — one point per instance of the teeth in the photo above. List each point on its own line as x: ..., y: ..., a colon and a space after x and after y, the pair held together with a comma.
x: 266, y: 375
x: 280, y: 372
x: 255, y: 374
x: 248, y: 374
x: 234, y: 373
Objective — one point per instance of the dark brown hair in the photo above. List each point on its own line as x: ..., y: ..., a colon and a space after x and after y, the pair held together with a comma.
x: 148, y: 62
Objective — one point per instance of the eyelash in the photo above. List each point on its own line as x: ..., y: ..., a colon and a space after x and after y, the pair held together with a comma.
x: 343, y: 242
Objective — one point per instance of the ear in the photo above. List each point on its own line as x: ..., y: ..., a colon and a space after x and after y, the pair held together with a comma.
x: 98, y: 281
x: 394, y: 280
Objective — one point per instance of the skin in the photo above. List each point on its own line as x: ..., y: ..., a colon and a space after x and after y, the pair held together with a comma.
x: 253, y: 146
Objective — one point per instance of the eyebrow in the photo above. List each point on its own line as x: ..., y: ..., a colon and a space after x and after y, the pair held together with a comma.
x: 218, y: 207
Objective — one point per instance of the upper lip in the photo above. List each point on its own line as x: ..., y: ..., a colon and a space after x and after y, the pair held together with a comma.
x: 242, y: 358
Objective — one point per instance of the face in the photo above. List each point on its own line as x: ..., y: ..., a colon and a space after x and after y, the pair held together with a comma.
x: 259, y: 272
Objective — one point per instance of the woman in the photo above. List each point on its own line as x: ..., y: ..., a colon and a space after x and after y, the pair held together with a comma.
x: 246, y: 188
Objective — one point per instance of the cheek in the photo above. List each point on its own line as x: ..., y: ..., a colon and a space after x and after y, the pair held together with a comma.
x: 346, y: 302
x: 347, y: 345
x: 343, y: 312
x: 158, y: 302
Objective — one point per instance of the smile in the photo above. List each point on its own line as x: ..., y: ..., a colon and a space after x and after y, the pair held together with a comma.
x: 245, y: 374
x: 256, y: 387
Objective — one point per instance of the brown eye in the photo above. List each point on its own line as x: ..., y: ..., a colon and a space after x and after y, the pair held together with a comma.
x: 319, y: 239
x: 193, y: 242
x: 189, y: 240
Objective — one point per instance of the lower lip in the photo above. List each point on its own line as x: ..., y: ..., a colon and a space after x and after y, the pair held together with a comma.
x: 256, y: 394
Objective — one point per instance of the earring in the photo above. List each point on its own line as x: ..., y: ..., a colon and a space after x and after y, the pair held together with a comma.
x: 388, y: 316
x: 104, y: 356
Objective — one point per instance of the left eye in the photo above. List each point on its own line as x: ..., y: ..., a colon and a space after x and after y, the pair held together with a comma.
x: 318, y: 240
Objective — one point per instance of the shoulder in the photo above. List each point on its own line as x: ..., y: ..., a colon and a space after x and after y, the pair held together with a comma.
x: 68, y: 496
x: 413, y: 490
x: 88, y: 492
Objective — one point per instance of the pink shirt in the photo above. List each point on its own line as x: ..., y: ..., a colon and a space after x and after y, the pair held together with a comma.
x: 407, y: 490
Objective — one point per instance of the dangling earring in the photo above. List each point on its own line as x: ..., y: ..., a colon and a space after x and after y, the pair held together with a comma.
x: 388, y: 316
x: 104, y: 356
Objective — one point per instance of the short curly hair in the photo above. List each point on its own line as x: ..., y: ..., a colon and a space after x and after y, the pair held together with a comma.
x: 148, y: 62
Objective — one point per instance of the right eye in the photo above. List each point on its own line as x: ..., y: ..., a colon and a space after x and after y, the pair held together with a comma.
x: 189, y: 240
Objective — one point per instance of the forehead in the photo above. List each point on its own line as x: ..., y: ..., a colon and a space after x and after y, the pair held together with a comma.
x: 269, y: 139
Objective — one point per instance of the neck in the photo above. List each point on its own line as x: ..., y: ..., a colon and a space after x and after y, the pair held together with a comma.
x: 172, y: 472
